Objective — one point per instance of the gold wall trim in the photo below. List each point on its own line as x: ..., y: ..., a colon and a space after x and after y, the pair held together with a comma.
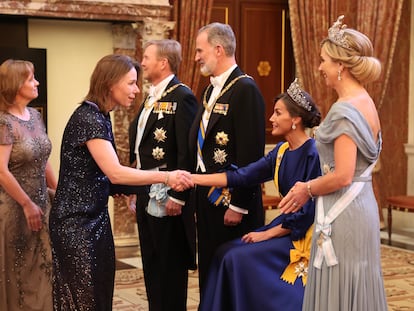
x: 226, y: 12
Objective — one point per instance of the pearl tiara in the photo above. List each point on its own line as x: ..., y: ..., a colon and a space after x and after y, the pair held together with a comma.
x: 336, y: 33
x: 295, y: 92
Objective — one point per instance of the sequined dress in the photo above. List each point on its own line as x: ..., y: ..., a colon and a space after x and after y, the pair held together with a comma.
x: 25, y: 256
x: 355, y: 283
x: 80, y: 230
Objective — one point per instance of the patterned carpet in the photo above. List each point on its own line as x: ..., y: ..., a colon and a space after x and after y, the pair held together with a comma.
x: 398, y: 270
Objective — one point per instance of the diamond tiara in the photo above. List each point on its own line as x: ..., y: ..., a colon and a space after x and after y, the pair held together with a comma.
x: 336, y: 33
x: 295, y: 92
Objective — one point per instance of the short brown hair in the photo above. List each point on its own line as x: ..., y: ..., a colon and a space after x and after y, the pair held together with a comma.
x: 13, y: 74
x: 169, y: 49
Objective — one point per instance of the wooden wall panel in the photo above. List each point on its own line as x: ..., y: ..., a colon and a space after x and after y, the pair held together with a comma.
x: 266, y: 53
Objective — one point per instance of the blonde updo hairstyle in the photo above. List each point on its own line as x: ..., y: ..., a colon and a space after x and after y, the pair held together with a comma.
x: 358, y: 58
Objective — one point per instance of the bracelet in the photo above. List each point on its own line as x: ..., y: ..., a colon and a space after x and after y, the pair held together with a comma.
x: 167, y: 178
x: 308, y: 187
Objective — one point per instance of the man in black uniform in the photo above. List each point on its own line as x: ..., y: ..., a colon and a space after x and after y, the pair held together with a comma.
x: 159, y: 141
x: 228, y: 130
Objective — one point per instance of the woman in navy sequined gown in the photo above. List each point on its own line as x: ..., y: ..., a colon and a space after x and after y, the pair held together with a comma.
x: 258, y: 272
x: 82, y: 242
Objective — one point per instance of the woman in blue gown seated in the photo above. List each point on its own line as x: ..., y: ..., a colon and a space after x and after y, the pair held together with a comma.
x: 267, y: 269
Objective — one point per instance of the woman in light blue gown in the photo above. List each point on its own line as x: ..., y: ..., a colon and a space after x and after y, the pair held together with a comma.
x: 345, y: 265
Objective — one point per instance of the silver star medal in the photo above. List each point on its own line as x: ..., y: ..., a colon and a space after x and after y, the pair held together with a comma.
x: 219, y: 156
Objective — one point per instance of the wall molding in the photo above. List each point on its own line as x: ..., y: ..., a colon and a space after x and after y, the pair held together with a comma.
x: 86, y: 10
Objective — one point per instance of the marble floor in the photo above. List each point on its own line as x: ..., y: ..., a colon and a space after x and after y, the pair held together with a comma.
x: 128, y: 257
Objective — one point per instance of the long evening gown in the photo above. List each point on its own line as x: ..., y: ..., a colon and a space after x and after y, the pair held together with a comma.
x: 80, y: 230
x: 355, y: 283
x: 247, y: 276
x: 25, y: 256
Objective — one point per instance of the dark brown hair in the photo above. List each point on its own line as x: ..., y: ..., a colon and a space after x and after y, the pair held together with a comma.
x: 310, y: 118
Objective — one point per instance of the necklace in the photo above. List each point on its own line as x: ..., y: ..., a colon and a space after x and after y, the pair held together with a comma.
x: 208, y: 107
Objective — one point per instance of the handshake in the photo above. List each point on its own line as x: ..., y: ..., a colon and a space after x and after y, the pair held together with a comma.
x: 179, y: 180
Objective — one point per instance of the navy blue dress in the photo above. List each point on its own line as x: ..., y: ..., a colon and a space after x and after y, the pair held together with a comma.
x: 247, y: 276
x: 82, y: 242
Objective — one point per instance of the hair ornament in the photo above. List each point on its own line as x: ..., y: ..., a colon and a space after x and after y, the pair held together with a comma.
x: 295, y: 92
x: 336, y: 33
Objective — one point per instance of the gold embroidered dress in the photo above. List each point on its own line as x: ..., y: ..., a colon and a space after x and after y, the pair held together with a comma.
x: 25, y: 256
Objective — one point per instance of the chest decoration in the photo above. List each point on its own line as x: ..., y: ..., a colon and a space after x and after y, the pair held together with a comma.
x: 160, y: 135
x: 219, y: 156
x: 222, y: 138
x: 223, y: 108
x: 220, y: 108
x: 158, y: 153
x: 165, y: 107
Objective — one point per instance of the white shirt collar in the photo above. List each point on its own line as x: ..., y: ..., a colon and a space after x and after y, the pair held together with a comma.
x: 218, y: 81
x: 160, y: 87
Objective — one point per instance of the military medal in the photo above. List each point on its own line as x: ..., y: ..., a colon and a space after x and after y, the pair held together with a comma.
x: 222, y: 138
x: 224, y: 107
x: 221, y: 108
x: 301, y: 269
x: 160, y: 135
x: 165, y: 107
x: 158, y: 153
x: 219, y: 156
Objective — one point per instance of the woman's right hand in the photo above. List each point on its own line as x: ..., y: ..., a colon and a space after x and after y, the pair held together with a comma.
x: 33, y: 214
x: 179, y: 180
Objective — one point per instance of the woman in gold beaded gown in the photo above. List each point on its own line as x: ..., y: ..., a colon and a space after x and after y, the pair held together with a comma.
x: 25, y: 174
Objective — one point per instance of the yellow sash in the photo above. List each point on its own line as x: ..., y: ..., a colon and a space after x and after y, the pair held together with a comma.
x: 279, y: 157
x: 299, y: 256
x: 299, y: 259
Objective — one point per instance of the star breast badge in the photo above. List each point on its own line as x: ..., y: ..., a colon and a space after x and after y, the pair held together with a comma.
x: 158, y: 153
x: 160, y: 135
x: 219, y: 156
x: 222, y: 138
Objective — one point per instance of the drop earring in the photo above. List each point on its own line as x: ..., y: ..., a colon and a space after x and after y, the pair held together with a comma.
x: 293, y: 126
x: 339, y: 75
